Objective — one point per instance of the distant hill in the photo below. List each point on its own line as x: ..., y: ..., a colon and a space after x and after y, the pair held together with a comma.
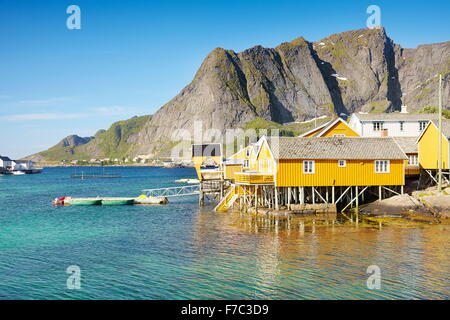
x: 116, y: 142
x: 358, y: 70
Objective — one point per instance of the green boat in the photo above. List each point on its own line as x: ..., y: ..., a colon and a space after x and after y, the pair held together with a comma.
x: 84, y: 201
x: 117, y: 201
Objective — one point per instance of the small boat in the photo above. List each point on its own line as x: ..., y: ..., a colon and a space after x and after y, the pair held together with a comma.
x: 18, y: 173
x: 83, y: 201
x: 117, y: 201
x: 143, y: 199
x: 190, y: 181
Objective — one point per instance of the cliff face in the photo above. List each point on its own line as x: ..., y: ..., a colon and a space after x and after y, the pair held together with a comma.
x: 360, y: 70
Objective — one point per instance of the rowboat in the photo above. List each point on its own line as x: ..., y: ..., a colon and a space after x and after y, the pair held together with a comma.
x: 83, y: 201
x: 117, y: 201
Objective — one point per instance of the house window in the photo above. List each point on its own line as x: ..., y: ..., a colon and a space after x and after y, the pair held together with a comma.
x: 308, y: 167
x: 401, y: 125
x: 422, y: 125
x: 339, y: 135
x: 413, y: 160
x: 246, y: 164
x: 377, y: 126
x: 382, y: 166
x: 342, y: 163
x: 248, y: 153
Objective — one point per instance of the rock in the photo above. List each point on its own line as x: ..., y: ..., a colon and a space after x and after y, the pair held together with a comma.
x: 438, y: 204
x: 397, y: 206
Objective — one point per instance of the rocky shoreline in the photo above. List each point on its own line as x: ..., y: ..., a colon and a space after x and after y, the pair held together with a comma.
x: 427, y: 203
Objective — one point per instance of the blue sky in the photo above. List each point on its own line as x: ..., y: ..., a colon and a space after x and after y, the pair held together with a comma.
x: 131, y: 57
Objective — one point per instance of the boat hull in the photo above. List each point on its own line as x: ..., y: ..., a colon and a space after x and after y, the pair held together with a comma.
x: 84, y: 202
x: 117, y: 201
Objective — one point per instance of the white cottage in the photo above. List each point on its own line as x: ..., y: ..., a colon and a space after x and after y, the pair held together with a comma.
x: 396, y: 124
x: 23, y: 165
x: 6, y: 163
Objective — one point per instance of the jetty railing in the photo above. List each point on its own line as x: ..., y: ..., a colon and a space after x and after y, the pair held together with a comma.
x: 173, y: 191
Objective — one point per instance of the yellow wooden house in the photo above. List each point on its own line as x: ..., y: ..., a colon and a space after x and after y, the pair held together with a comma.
x: 243, y: 159
x: 291, y: 170
x: 428, y: 146
x: 333, y: 128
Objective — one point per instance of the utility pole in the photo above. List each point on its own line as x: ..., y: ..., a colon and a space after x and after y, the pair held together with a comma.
x: 440, y: 135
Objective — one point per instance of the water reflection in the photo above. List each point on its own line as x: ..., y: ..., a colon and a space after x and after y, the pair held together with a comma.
x: 293, y: 259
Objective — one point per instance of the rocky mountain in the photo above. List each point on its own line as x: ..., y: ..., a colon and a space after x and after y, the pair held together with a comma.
x: 359, y: 70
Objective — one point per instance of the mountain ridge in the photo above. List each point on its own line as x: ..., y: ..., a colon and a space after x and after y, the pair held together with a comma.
x: 357, y: 70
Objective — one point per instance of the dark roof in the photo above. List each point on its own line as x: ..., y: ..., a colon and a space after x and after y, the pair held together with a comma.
x: 345, y: 148
x: 397, y: 116
x: 5, y: 158
x: 22, y: 161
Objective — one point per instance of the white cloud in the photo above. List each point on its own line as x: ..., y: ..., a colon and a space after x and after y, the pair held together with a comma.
x: 113, y: 110
x: 44, y: 102
x: 44, y: 116
x: 89, y: 113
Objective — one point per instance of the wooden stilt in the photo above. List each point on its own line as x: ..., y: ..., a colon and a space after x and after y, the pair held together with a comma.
x: 332, y: 195
x: 277, y: 207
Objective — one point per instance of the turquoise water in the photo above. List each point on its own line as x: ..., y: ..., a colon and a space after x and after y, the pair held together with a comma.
x: 180, y: 252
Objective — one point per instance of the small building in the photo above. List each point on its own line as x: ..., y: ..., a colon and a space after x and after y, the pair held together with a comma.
x: 333, y: 128
x: 207, y: 159
x: 396, y: 124
x: 6, y: 163
x: 298, y: 170
x: 428, y: 146
x: 23, y: 165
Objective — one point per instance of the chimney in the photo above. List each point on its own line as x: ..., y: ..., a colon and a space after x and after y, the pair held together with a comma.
x: 404, y: 109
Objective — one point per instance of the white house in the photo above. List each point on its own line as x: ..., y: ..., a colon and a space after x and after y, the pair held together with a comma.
x: 396, y: 124
x: 6, y: 163
x: 23, y: 165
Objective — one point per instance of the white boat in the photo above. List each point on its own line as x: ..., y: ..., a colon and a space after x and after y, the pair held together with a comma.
x: 18, y: 173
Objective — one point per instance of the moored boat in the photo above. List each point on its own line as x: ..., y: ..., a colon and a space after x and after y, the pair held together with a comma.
x: 18, y: 173
x: 83, y: 201
x: 117, y: 201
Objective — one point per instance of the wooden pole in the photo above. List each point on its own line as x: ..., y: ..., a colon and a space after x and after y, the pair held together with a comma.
x: 332, y: 195
x: 440, y: 135
x: 276, y: 199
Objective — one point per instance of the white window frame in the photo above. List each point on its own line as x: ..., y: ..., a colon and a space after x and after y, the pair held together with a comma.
x: 342, y: 163
x: 248, y: 152
x: 382, y: 166
x: 309, y: 167
x: 422, y: 125
x: 339, y: 135
x: 378, y: 126
x: 414, y: 158
x: 246, y: 164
